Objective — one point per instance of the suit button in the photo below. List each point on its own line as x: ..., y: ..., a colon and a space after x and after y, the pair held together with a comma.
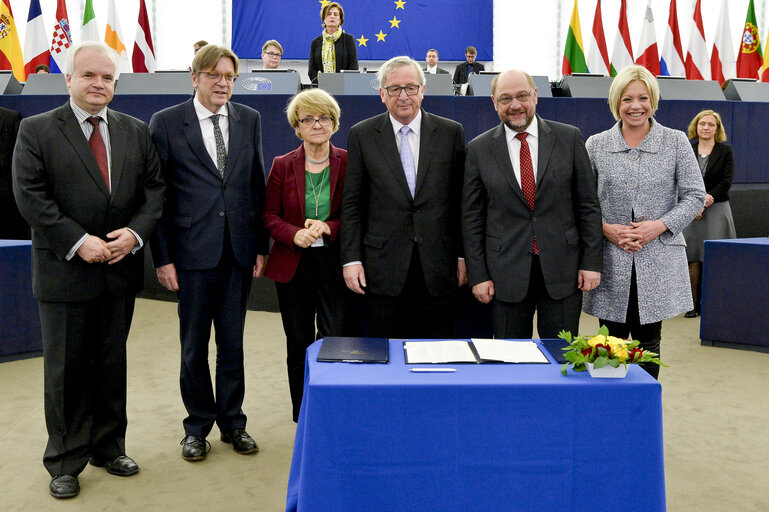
x: 221, y: 214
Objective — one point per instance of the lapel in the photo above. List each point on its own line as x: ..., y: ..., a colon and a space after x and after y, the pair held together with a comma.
x: 74, y: 134
x: 715, y: 156
x: 194, y: 138
x: 427, y: 142
x: 388, y: 148
x: 544, y: 151
x: 117, y: 148
x: 297, y: 171
x: 335, y: 163
x: 234, y: 142
x: 501, y: 154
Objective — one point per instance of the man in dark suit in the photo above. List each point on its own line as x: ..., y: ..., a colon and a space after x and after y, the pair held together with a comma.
x: 463, y: 71
x: 13, y: 227
x: 531, y: 222
x: 400, y: 231
x: 91, y: 210
x: 207, y: 243
x: 431, y: 59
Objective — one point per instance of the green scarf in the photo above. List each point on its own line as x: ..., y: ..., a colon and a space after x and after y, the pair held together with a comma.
x: 328, y: 52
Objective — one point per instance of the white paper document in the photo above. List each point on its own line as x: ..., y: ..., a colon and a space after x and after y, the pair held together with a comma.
x: 506, y: 351
x: 430, y: 352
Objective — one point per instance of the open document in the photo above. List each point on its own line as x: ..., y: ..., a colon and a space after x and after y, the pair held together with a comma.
x: 507, y: 351
x: 432, y: 352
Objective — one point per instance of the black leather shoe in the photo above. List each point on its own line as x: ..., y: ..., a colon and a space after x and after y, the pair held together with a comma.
x: 122, y: 465
x: 241, y: 441
x: 64, y: 486
x: 194, y: 448
x: 692, y: 314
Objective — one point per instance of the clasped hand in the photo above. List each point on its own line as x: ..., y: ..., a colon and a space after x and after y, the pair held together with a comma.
x: 96, y: 250
x: 313, y: 229
x: 632, y: 238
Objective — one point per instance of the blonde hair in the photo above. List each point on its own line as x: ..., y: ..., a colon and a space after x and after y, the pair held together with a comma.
x: 315, y: 101
x: 622, y: 80
x: 272, y: 42
x: 720, y: 132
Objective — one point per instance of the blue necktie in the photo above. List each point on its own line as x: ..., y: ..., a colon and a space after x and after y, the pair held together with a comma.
x: 407, y: 159
x: 221, y: 149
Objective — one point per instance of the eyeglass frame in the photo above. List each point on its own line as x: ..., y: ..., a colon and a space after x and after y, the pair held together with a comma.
x: 318, y: 120
x: 400, y: 88
x: 273, y: 54
x: 520, y: 98
x: 213, y: 74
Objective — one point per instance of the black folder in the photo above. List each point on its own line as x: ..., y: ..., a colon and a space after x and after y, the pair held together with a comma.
x: 555, y: 347
x: 354, y: 350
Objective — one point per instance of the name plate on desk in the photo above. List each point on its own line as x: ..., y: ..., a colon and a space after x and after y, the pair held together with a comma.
x: 339, y: 349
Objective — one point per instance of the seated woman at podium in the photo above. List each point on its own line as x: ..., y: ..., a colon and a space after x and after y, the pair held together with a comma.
x: 302, y: 213
x: 649, y: 188
x: 715, y: 221
x: 333, y: 50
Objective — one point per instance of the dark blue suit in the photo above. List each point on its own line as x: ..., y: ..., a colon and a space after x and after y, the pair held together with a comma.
x: 211, y: 231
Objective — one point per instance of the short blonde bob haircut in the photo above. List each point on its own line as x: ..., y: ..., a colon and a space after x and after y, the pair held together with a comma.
x: 324, y: 11
x: 623, y: 79
x: 720, y: 132
x: 315, y: 101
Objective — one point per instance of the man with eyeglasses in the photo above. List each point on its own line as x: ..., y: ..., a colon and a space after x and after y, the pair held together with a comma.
x: 211, y: 242
x: 272, y: 52
x: 531, y: 222
x: 400, y: 232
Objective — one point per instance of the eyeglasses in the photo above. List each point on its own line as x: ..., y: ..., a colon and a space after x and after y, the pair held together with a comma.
x: 272, y: 54
x: 216, y: 76
x: 520, y: 98
x: 323, y: 120
x: 395, y: 90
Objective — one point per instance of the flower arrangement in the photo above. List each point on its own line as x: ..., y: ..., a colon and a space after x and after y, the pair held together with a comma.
x: 602, y: 350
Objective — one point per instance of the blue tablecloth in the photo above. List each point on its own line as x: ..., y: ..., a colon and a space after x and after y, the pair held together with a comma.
x: 491, y: 437
x: 19, y: 317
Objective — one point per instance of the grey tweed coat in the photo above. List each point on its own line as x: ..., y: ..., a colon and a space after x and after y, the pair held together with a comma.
x: 659, y: 179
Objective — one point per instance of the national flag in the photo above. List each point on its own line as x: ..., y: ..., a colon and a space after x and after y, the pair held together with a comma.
x: 672, y: 61
x: 62, y: 38
x: 749, y: 58
x: 35, y: 42
x: 696, y: 63
x: 765, y: 68
x: 114, y: 38
x: 723, y: 65
x: 90, y: 31
x: 622, y: 54
x: 143, y: 57
x: 650, y: 57
x: 574, y: 53
x: 598, y: 55
x: 10, y: 48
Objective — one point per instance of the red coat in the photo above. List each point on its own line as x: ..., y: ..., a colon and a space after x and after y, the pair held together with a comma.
x: 284, y: 213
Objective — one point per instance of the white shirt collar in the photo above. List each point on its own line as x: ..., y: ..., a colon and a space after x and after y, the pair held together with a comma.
x: 415, y: 123
x: 81, y: 114
x: 203, y: 113
x: 533, y: 130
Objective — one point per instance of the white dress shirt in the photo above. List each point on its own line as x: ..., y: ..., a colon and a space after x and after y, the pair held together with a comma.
x: 207, y: 126
x: 514, y: 148
x: 413, y: 137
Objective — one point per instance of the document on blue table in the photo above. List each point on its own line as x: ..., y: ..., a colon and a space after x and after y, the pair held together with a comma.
x: 434, y: 352
x: 507, y: 351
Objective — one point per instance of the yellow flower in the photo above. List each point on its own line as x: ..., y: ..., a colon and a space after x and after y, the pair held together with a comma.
x: 620, y: 352
x: 597, y: 340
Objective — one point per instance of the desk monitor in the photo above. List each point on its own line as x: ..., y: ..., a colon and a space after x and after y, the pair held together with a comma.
x: 178, y: 82
x: 46, y: 84
x: 677, y: 88
x: 480, y: 84
x: 439, y: 85
x: 364, y: 84
x: 586, y: 86
x: 746, y: 89
x: 271, y: 81
x: 9, y: 84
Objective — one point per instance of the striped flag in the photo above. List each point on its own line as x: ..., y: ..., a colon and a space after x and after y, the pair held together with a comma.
x: 622, y: 54
x: 765, y: 68
x: 114, y: 38
x: 574, y: 53
x: 90, y: 31
x: 598, y: 56
x: 35, y: 42
x: 62, y: 38
x: 650, y: 57
x: 10, y: 47
x: 672, y: 61
x: 749, y: 59
x: 696, y: 63
x: 723, y: 65
x: 143, y: 57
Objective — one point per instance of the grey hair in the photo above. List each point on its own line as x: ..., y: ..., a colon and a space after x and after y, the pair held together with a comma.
x: 99, y: 46
x: 399, y: 62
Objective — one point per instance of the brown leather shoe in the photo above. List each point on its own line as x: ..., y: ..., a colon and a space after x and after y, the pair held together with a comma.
x: 241, y: 442
x: 64, y: 486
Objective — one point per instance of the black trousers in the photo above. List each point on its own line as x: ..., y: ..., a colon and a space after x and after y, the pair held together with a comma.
x: 84, y: 360
x: 649, y: 336
x: 414, y: 313
x: 317, y: 291
x: 219, y: 296
x: 515, y: 319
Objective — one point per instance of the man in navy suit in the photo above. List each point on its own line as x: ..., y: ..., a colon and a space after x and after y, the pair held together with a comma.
x: 87, y: 179
x: 211, y: 241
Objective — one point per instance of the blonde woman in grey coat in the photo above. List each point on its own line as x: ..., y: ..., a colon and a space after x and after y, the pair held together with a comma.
x: 649, y: 188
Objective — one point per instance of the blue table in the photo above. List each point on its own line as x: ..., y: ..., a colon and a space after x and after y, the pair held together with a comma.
x: 485, y: 438
x: 20, y: 331
x: 735, y: 294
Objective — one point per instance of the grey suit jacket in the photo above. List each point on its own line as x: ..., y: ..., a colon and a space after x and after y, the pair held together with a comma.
x: 62, y: 195
x: 498, y: 227
x: 381, y: 223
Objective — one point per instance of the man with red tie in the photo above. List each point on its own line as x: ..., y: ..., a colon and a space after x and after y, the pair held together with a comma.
x: 531, y: 222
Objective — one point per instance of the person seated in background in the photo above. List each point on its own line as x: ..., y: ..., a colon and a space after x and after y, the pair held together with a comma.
x: 432, y: 63
x: 333, y: 50
x: 272, y: 52
x: 462, y: 72
x: 42, y: 69
x: 198, y: 45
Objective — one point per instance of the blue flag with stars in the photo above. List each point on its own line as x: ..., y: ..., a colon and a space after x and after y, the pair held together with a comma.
x: 382, y: 28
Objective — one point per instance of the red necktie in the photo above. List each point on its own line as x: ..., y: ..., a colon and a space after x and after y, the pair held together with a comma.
x: 99, y: 149
x: 527, y: 176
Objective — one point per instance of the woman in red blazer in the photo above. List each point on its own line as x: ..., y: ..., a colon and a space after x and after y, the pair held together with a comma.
x: 302, y: 211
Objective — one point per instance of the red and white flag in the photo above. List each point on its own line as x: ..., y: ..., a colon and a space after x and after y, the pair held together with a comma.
x: 598, y: 55
x: 723, y: 63
x: 672, y: 61
x: 62, y: 38
x: 143, y: 57
x: 696, y: 64
x: 622, y: 54
x: 649, y: 57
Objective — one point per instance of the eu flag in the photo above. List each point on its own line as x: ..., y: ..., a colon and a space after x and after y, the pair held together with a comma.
x: 382, y: 28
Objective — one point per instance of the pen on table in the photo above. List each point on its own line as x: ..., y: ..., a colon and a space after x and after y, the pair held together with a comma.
x: 431, y: 370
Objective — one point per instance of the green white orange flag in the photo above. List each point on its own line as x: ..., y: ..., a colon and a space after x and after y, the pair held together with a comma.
x: 749, y: 59
x: 90, y: 31
x: 10, y: 48
x: 574, y: 53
